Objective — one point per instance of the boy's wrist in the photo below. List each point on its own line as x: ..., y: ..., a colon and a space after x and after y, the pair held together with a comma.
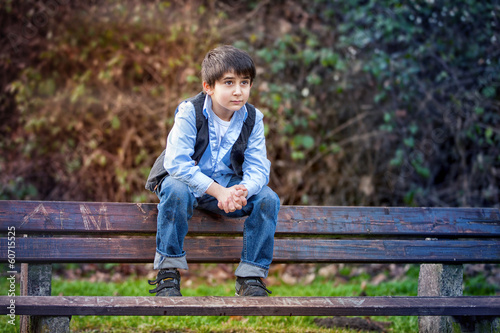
x: 215, y: 190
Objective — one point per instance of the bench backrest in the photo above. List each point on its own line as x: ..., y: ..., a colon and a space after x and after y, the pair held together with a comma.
x: 125, y: 232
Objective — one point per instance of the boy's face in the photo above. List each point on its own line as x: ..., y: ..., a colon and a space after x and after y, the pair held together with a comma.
x: 229, y: 94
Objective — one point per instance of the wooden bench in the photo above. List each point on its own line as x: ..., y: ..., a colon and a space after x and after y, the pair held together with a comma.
x: 441, y: 239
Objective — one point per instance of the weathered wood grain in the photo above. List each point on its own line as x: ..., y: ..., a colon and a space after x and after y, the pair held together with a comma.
x: 226, y: 250
x: 93, y: 217
x: 253, y: 306
x: 77, y: 232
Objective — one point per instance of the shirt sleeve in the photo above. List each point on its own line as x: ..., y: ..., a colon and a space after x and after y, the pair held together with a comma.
x: 180, y: 147
x: 256, y: 167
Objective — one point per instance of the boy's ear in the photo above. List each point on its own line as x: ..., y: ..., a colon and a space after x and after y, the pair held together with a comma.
x: 207, y: 88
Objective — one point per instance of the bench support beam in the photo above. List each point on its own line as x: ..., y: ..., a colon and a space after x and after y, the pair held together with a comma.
x: 254, y: 306
x: 439, y: 280
x: 37, y: 282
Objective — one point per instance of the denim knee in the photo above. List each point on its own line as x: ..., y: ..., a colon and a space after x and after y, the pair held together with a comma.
x: 173, y: 190
x: 268, y: 201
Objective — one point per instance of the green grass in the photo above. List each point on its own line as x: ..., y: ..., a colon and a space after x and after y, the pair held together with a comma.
x: 133, y: 286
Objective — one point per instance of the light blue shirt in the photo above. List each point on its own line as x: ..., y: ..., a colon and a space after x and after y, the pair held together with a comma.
x: 214, y: 164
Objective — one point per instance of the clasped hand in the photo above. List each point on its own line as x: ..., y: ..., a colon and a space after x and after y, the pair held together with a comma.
x: 233, y: 198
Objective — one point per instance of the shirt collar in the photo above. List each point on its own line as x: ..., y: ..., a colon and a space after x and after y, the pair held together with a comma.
x: 207, y: 105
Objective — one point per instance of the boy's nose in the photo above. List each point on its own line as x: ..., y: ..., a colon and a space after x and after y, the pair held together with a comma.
x: 237, y: 90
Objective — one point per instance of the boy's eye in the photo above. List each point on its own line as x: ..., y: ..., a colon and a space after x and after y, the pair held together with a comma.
x: 228, y: 83
x: 244, y: 82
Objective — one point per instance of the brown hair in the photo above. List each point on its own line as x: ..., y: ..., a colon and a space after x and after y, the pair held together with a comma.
x: 225, y: 59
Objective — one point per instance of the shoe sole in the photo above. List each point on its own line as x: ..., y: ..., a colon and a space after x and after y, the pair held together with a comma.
x: 236, y: 294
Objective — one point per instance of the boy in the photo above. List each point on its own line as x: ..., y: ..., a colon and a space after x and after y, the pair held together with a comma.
x: 216, y: 160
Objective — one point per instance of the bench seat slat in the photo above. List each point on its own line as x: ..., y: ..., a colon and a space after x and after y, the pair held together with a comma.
x: 253, y: 306
x: 217, y: 250
x: 88, y: 217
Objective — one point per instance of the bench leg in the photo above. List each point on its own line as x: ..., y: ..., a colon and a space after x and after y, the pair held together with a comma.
x: 36, y: 281
x: 439, y: 280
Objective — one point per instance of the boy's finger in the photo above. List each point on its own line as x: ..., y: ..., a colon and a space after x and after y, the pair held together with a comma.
x: 236, y: 197
x: 225, y: 208
x: 237, y: 205
x: 231, y: 207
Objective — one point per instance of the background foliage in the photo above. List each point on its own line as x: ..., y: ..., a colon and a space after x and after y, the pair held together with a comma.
x: 365, y: 102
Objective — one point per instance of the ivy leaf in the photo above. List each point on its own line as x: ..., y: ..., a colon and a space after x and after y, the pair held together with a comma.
x: 307, y: 142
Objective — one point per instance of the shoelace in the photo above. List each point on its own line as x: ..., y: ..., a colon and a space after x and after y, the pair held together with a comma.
x: 164, y: 280
x: 257, y: 283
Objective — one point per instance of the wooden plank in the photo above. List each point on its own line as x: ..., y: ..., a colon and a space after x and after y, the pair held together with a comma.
x: 95, y: 217
x: 253, y: 306
x: 221, y: 250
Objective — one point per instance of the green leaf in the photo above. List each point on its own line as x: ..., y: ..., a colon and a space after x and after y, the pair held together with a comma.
x: 386, y: 128
x: 314, y: 79
x: 413, y: 128
x: 309, y: 56
x: 308, y: 142
x: 488, y: 133
x: 489, y: 92
x: 47, y: 87
x: 387, y: 117
x: 115, y: 123
x: 298, y: 155
x: 479, y: 110
x: 409, y: 142
x: 335, y: 148
x: 77, y: 92
x: 304, y: 141
x: 328, y: 58
x: 397, y: 160
x: 423, y: 171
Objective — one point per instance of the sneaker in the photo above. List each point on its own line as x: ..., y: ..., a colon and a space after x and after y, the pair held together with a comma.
x: 251, y: 286
x: 168, y: 283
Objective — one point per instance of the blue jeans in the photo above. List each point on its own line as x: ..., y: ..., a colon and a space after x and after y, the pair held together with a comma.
x: 176, y: 209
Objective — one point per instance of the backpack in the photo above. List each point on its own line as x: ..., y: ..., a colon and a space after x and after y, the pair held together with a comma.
x: 158, y: 172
